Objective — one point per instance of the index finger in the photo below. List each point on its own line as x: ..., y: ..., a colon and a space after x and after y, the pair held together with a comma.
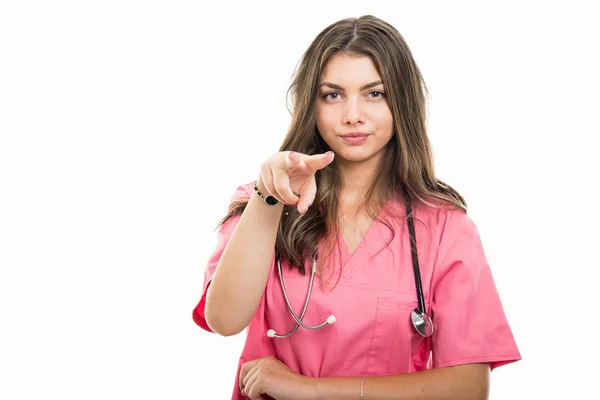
x: 319, y: 161
x: 246, y: 367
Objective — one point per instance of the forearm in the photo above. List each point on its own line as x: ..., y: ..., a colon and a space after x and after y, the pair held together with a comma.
x: 468, y: 382
x: 243, y: 269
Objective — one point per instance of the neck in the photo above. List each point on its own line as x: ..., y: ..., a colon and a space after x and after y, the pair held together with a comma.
x: 356, y: 179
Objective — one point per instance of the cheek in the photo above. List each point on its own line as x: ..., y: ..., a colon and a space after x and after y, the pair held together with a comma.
x: 383, y: 115
x: 383, y: 119
x: 325, y: 122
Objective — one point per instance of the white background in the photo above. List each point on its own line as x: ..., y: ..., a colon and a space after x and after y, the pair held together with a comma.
x: 126, y: 126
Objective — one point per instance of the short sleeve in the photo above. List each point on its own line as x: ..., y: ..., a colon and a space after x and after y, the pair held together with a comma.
x: 223, y: 235
x: 470, y: 325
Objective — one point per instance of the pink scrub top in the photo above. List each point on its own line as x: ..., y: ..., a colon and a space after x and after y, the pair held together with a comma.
x: 372, y: 299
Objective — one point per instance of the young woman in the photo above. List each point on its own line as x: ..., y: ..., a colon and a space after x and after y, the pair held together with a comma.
x: 356, y: 272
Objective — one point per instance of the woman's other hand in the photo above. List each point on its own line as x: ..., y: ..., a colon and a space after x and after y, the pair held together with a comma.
x: 266, y: 378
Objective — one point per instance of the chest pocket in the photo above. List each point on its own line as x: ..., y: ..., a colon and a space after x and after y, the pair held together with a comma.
x: 395, y: 347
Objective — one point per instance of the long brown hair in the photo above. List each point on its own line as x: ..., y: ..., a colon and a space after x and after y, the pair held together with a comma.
x: 407, y: 165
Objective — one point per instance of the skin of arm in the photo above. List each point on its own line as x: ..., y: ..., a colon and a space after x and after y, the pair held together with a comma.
x: 461, y: 382
x: 243, y: 269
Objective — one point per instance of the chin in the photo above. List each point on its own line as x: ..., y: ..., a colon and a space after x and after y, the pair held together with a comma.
x: 354, y: 154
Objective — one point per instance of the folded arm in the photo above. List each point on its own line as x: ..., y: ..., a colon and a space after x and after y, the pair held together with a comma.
x: 468, y: 382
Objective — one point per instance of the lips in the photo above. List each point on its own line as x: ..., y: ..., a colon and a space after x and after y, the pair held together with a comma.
x: 355, y: 138
x: 355, y: 135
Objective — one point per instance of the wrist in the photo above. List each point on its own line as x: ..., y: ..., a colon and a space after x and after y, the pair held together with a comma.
x: 311, y: 389
x: 265, y: 196
x: 261, y: 187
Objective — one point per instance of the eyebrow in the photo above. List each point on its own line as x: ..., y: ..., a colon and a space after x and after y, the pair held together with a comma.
x: 364, y: 87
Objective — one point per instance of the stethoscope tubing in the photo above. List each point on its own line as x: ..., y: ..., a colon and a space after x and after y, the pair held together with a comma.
x: 415, y: 259
x: 421, y: 321
x: 310, y: 286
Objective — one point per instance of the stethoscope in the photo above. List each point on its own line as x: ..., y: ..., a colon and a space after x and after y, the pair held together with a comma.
x: 420, y: 320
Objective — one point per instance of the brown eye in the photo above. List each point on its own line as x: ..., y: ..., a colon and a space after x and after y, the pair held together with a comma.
x: 376, y: 94
x: 331, y: 95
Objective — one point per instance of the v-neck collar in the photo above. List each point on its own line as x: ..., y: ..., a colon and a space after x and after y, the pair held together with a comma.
x: 345, y: 252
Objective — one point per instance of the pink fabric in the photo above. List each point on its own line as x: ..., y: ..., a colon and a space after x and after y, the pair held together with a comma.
x: 373, y: 299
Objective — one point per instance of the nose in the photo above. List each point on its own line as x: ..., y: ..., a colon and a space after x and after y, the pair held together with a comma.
x: 353, y: 111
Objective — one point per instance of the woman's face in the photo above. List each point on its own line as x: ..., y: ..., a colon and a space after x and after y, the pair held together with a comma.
x: 353, y: 116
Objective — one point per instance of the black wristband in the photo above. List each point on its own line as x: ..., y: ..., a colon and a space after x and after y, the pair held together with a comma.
x: 269, y: 200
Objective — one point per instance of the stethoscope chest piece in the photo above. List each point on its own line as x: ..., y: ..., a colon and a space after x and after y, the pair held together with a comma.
x: 422, y: 322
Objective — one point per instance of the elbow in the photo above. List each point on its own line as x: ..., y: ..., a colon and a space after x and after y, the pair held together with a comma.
x: 221, y: 324
x: 217, y: 326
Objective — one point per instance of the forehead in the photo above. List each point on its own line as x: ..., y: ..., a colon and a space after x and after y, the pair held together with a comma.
x: 349, y: 71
